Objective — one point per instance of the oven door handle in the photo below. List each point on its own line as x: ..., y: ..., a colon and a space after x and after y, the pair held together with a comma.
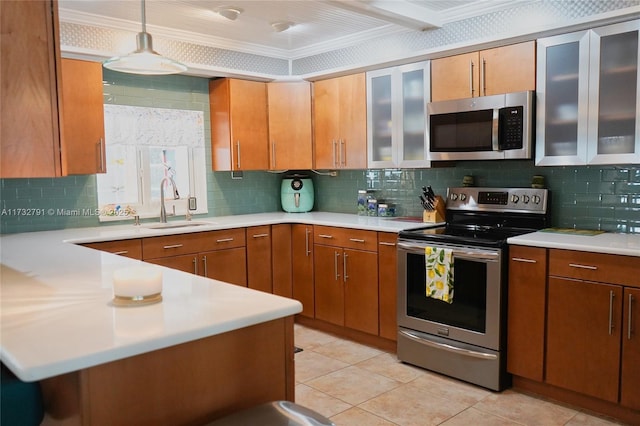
x: 448, y: 348
x: 468, y: 254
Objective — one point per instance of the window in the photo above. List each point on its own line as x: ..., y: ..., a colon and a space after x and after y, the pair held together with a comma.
x: 143, y: 147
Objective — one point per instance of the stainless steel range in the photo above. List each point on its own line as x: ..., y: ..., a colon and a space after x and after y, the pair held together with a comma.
x: 465, y: 336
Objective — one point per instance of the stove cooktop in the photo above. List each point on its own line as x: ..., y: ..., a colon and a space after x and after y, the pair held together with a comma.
x: 488, y: 216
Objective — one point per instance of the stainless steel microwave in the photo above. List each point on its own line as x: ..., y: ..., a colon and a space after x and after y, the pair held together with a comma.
x: 493, y: 127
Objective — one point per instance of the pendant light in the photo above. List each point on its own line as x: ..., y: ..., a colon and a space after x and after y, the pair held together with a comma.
x: 144, y: 60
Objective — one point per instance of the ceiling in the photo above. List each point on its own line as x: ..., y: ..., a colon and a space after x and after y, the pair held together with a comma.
x: 319, y: 25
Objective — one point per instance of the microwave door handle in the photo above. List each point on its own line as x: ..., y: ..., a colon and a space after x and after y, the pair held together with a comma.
x: 495, y: 145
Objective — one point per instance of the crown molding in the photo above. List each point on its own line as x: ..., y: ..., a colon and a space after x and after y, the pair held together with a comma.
x: 93, y: 20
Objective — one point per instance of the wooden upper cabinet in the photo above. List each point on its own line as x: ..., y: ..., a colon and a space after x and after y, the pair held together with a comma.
x: 239, y: 123
x: 290, y: 137
x: 82, y: 130
x: 508, y: 69
x: 340, y: 122
x: 30, y: 61
x: 455, y: 77
x: 504, y: 69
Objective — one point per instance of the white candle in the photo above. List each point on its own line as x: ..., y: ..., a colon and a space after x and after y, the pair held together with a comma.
x: 137, y: 282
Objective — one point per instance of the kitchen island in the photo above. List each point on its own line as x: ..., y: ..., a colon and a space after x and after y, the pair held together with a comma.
x: 207, y: 349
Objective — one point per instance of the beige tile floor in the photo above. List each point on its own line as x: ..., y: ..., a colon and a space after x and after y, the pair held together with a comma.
x: 357, y: 385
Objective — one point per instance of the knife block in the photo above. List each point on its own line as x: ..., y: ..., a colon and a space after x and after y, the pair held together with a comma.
x: 437, y: 214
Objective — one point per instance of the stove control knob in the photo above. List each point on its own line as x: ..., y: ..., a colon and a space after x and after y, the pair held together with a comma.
x: 454, y: 197
x: 515, y: 199
x: 536, y: 199
x: 463, y: 197
x: 525, y: 199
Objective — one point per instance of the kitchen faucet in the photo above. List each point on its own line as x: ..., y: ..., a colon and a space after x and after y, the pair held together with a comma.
x: 176, y: 196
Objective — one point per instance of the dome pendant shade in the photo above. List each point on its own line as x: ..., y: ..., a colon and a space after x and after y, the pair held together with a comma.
x: 144, y: 60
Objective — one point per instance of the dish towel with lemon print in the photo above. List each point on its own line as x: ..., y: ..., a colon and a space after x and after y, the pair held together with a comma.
x: 439, y: 263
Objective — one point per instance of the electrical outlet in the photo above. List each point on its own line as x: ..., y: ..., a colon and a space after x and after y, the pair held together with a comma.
x: 193, y: 203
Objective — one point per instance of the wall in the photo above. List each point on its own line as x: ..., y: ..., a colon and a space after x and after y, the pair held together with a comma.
x: 603, y: 197
x: 606, y: 197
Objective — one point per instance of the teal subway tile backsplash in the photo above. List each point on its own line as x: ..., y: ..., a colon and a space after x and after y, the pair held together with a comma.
x: 594, y: 197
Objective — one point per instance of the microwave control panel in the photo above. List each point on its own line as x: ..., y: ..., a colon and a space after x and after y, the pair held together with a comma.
x: 526, y: 200
x: 510, y: 128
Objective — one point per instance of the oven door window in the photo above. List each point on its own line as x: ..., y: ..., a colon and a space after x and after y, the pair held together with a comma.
x: 469, y: 308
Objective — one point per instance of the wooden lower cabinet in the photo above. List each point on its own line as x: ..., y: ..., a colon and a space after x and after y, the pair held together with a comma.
x: 583, y: 337
x: 281, y: 260
x: 185, y: 262
x: 346, y: 287
x: 526, y: 311
x: 228, y: 265
x: 630, y: 380
x: 128, y: 248
x: 573, y: 328
x: 259, y: 258
x: 302, y: 267
x: 220, y: 255
x: 388, y: 284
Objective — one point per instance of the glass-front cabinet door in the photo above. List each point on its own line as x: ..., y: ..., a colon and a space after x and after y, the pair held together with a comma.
x: 562, y: 99
x: 396, y: 122
x: 614, y: 102
x: 588, y: 104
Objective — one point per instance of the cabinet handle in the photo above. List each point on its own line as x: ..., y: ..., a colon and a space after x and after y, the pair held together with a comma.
x: 204, y: 264
x: 356, y: 240
x: 520, y: 259
x: 172, y: 246
x: 335, y: 152
x: 325, y: 236
x: 344, y: 268
x: 577, y: 265
x: 630, y: 321
x: 306, y: 241
x: 611, y: 296
x: 260, y: 235
x: 224, y: 240
x: 384, y: 243
x: 195, y: 265
x: 343, y: 153
x: 483, y: 77
x: 335, y: 265
x: 238, y: 152
x: 101, y: 166
x: 121, y: 252
x: 471, y: 66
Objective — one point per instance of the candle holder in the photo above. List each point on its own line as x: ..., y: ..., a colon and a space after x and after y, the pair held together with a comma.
x: 137, y: 286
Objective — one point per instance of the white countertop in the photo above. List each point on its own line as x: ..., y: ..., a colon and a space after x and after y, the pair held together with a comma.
x: 128, y: 231
x: 56, y: 309
x: 609, y: 243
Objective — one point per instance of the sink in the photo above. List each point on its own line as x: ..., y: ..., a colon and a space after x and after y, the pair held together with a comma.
x: 176, y: 224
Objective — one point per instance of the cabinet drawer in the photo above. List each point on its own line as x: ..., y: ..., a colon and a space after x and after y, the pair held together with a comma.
x: 346, y: 237
x: 127, y: 248
x: 607, y: 268
x: 174, y: 245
